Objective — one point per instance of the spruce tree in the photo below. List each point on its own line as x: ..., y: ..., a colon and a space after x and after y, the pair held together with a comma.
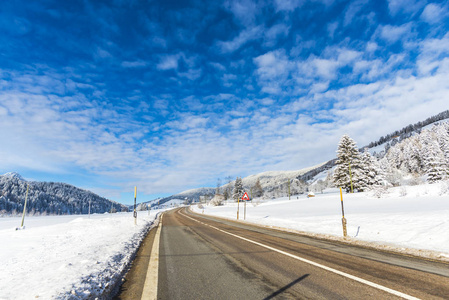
x: 257, y: 189
x: 238, y: 189
x: 371, y: 174
x: 435, y: 165
x: 347, y: 165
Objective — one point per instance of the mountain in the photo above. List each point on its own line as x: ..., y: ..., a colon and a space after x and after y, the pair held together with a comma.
x: 278, y: 183
x: 49, y: 198
x: 274, y: 183
x: 188, y: 196
x: 380, y: 147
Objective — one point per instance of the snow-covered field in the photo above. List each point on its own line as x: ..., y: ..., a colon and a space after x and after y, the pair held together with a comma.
x: 77, y: 257
x: 411, y: 219
x: 68, y: 257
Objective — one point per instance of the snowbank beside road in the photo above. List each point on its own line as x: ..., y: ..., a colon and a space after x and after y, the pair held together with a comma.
x: 410, y: 219
x: 69, y: 257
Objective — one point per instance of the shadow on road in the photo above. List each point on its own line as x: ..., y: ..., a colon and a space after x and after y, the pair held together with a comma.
x: 283, y: 289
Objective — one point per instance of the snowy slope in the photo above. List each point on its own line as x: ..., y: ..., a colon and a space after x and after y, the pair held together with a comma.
x: 68, y: 257
x: 409, y: 219
x: 270, y: 179
x: 73, y: 257
x: 275, y: 177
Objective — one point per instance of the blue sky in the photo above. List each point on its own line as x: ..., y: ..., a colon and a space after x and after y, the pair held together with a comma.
x: 171, y: 95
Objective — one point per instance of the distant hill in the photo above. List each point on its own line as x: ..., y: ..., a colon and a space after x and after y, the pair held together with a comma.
x: 275, y: 183
x: 188, y: 196
x: 380, y: 147
x: 49, y: 198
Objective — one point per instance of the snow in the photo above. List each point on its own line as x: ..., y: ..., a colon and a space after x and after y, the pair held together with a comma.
x: 173, y: 203
x: 411, y: 219
x: 77, y: 257
x: 14, y: 175
x: 69, y: 257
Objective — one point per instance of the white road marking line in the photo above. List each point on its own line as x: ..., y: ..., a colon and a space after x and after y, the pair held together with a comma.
x: 150, y: 286
x: 372, y: 284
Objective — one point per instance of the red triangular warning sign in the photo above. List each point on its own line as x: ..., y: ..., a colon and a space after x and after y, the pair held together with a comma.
x: 245, y: 197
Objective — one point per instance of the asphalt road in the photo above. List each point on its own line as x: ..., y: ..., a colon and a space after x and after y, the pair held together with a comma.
x: 206, y: 258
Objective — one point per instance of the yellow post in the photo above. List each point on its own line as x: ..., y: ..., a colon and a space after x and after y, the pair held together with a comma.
x: 24, y: 207
x: 238, y: 207
x: 343, y: 220
x: 350, y: 177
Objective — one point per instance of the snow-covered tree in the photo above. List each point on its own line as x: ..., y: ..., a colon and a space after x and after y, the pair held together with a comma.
x: 141, y: 207
x: 257, y: 189
x: 238, y: 189
x: 347, y: 165
x: 217, y: 200
x: 370, y: 172
x: 434, y: 161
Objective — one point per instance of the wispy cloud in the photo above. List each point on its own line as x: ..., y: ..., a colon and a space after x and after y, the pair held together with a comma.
x: 172, y: 97
x: 168, y: 62
x: 242, y: 38
x: 434, y: 13
x: 134, y: 64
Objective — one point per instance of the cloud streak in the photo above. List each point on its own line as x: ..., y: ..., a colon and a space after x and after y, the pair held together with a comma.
x: 172, y: 97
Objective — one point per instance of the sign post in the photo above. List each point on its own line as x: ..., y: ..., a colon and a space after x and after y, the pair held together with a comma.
x: 245, y: 198
x: 244, y: 214
x: 24, y: 208
x: 135, y: 211
x: 238, y: 207
x: 343, y: 220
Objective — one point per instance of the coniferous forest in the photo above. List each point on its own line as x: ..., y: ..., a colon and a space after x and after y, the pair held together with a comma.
x: 52, y: 198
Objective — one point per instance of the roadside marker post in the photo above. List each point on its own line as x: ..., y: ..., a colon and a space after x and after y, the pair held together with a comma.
x: 238, y: 207
x: 135, y: 211
x: 244, y: 214
x: 24, y: 210
x: 343, y: 219
x: 245, y: 198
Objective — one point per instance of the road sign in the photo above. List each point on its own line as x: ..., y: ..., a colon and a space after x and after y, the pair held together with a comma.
x: 245, y: 197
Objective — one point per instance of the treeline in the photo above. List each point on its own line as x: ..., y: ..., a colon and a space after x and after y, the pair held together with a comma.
x: 407, y: 131
x: 392, y: 139
x: 312, y: 173
x: 50, y: 198
x: 422, y: 157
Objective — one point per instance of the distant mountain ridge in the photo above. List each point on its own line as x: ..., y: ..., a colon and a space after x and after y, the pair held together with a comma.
x: 275, y: 183
x: 387, y: 141
x: 52, y: 198
x: 61, y: 198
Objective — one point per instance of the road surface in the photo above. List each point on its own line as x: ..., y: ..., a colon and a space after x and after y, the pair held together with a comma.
x: 193, y: 256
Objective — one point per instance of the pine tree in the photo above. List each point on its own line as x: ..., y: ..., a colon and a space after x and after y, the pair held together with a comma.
x: 370, y: 172
x: 434, y: 162
x: 347, y: 165
x: 257, y: 189
x: 238, y: 189
x: 363, y: 181
x: 436, y: 168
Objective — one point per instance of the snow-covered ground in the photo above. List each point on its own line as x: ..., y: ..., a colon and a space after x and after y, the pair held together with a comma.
x: 411, y: 219
x: 77, y: 257
x: 68, y: 257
